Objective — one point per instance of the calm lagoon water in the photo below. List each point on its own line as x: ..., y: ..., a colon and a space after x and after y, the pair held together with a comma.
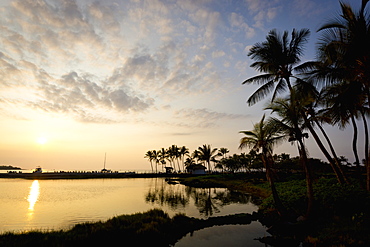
x: 60, y: 204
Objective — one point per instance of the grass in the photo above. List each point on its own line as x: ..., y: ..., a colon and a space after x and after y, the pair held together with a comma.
x: 152, y: 228
x: 342, y: 212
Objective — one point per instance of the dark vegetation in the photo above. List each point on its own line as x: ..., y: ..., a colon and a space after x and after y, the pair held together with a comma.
x: 341, y: 216
x: 153, y: 228
x: 9, y: 168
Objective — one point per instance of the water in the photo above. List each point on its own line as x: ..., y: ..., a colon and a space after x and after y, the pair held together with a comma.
x: 60, y: 204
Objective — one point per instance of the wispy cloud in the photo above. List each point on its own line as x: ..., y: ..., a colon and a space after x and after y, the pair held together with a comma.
x: 205, y: 118
x: 95, y: 61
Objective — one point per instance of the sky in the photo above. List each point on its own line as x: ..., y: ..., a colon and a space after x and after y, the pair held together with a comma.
x: 82, y: 78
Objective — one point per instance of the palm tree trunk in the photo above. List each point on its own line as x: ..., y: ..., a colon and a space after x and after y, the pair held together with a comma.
x: 267, y: 161
x: 337, y: 162
x: 323, y: 150
x: 308, y: 173
x: 366, y: 151
x: 354, y: 144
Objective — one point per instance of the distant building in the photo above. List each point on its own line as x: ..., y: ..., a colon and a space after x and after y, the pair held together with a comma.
x: 196, y: 169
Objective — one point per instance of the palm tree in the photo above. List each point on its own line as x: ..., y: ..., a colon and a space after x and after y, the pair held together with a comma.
x: 264, y: 137
x: 149, y: 156
x: 155, y: 158
x: 206, y: 154
x: 173, y: 153
x: 183, y: 152
x: 223, y: 151
x: 345, y: 103
x: 291, y: 122
x: 344, y: 56
x: 162, y: 155
x: 278, y: 58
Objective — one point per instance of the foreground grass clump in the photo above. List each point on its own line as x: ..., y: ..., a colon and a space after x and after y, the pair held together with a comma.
x: 341, y: 216
x: 153, y: 228
x: 252, y: 184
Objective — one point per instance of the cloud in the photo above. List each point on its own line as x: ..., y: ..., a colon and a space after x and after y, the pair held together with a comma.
x: 218, y: 53
x: 263, y: 11
x: 238, y: 21
x: 204, y: 118
x: 80, y: 96
x: 96, y: 61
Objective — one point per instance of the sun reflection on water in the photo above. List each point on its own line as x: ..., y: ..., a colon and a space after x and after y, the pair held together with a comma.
x: 33, y: 196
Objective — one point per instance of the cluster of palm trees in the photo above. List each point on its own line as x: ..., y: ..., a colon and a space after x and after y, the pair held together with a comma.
x: 175, y: 155
x: 333, y: 90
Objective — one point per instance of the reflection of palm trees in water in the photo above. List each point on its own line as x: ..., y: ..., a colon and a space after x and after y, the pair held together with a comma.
x: 166, y: 194
x: 204, y: 200
x: 207, y: 200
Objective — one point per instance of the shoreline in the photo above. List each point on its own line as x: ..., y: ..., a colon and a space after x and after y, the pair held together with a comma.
x: 89, y: 175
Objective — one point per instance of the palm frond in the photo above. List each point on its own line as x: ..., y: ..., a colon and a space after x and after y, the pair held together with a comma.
x: 261, y: 92
x: 259, y: 79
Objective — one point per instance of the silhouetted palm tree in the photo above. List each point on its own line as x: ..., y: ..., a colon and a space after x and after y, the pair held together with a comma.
x: 162, y: 156
x: 345, y: 102
x: 183, y: 152
x: 264, y: 137
x: 205, y: 154
x: 344, y: 56
x: 155, y: 157
x: 223, y: 151
x: 291, y: 122
x: 149, y: 156
x: 278, y: 58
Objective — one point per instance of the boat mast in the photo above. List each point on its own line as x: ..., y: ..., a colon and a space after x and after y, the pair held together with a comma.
x: 105, y: 159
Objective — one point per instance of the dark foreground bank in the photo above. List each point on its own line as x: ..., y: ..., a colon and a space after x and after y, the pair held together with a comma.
x: 153, y: 228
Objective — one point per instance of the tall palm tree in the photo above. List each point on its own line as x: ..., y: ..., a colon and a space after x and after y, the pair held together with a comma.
x: 206, y: 153
x: 344, y: 56
x: 173, y: 154
x: 163, y: 156
x: 264, y: 137
x: 291, y: 122
x: 155, y: 158
x: 278, y: 58
x: 183, y: 152
x: 149, y: 156
x: 345, y: 102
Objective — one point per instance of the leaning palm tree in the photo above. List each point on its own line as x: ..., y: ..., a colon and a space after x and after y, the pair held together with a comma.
x: 206, y: 153
x: 291, y: 122
x: 345, y: 102
x: 278, y: 58
x: 344, y: 56
x: 264, y: 137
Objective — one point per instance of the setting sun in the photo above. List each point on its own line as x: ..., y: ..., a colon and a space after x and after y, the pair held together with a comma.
x: 42, y: 140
